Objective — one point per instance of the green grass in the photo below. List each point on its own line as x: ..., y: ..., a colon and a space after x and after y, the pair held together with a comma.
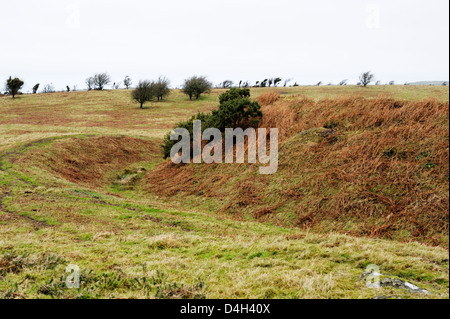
x: 129, y: 244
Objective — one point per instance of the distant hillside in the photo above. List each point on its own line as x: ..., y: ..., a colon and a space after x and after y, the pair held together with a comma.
x: 429, y: 83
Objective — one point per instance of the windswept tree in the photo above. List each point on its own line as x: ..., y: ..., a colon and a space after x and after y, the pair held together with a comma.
x: 35, y: 88
x: 162, y: 88
x: 264, y: 83
x: 392, y: 83
x: 13, y: 86
x: 366, y: 78
x: 286, y: 82
x: 101, y: 80
x: 276, y: 81
x: 144, y: 92
x: 319, y: 83
x: 227, y: 84
x: 89, y: 83
x: 196, y: 86
x: 127, y: 82
x: 67, y: 88
x: 343, y: 82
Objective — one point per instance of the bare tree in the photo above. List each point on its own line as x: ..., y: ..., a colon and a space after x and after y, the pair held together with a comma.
x: 286, y: 82
x: 127, y: 82
x: 89, y: 83
x: 366, y: 78
x: 48, y: 88
x: 101, y: 80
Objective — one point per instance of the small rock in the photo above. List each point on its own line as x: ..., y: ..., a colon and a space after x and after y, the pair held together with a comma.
x: 395, y: 282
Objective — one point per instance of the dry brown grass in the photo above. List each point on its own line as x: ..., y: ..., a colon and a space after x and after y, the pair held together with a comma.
x: 369, y: 167
x: 268, y: 98
x: 88, y: 161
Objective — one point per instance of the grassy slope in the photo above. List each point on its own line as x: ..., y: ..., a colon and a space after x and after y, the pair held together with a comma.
x: 129, y: 244
x: 379, y: 169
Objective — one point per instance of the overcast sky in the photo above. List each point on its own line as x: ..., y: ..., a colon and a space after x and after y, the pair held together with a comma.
x: 63, y: 42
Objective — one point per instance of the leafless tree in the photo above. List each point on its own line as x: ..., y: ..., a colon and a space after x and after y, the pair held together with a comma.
x: 101, y: 80
x: 49, y: 88
x: 89, y: 83
x: 366, y: 78
x: 127, y: 82
x: 286, y: 82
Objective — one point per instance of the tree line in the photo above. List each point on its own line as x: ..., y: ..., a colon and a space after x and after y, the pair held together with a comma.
x: 193, y: 87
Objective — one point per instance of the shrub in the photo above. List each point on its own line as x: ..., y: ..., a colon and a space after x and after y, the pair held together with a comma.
x: 233, y: 94
x: 235, y: 110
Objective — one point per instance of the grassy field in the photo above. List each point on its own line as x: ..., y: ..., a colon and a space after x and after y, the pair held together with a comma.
x: 82, y: 181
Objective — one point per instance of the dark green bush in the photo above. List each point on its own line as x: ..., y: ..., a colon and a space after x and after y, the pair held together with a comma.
x: 235, y: 110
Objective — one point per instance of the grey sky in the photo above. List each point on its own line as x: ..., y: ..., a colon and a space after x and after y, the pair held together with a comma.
x: 64, y: 42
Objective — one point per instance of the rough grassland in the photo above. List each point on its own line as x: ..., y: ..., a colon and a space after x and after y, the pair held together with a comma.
x: 74, y: 190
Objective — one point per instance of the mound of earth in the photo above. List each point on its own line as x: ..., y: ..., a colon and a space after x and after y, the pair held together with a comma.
x: 90, y: 161
x: 364, y: 167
